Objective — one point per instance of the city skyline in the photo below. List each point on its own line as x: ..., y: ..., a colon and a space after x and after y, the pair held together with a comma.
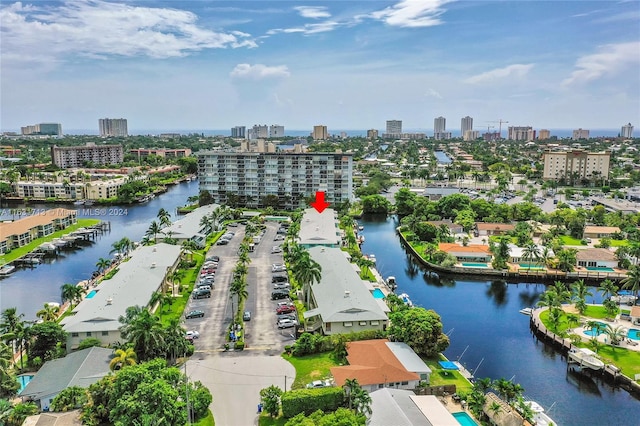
x: 349, y: 65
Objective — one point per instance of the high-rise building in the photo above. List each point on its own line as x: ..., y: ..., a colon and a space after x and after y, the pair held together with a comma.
x: 239, y: 132
x: 320, y: 133
x: 394, y: 127
x: 276, y: 131
x: 544, y: 135
x: 78, y: 156
x: 519, y: 133
x: 372, y: 134
x: 466, y: 124
x: 48, y: 129
x: 627, y: 131
x: 576, y: 164
x: 259, y: 132
x: 113, y: 127
x: 580, y: 134
x: 251, y: 179
x: 470, y: 135
x: 439, y: 125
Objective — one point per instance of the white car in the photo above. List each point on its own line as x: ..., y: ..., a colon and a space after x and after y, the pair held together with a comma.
x: 287, y: 323
x: 281, y: 286
x: 279, y: 237
x: 319, y: 384
x: 276, y: 249
x: 192, y: 334
x: 278, y: 267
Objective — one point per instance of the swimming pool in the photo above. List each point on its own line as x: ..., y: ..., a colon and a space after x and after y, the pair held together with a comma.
x: 633, y: 334
x: 464, y: 419
x: 378, y: 294
x: 24, y: 380
x: 91, y: 294
x: 531, y: 266
x: 598, y: 330
x: 474, y: 265
x: 593, y: 268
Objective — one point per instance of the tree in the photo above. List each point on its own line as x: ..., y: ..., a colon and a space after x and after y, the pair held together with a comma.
x: 47, y: 340
x: 419, y: 328
x: 580, y: 293
x: 70, y: 398
x: 375, y: 204
x: 632, y: 281
x: 103, y: 264
x: 49, y: 312
x: 12, y: 323
x: 20, y: 412
x: 123, y: 358
x: 89, y: 342
x: 616, y: 334
x: 530, y: 253
x: 404, y: 201
x: 145, y: 334
x: 608, y: 288
x: 72, y: 293
x: 566, y: 259
x: 154, y: 229
x: 306, y: 272
x: 164, y: 217
x: 361, y: 401
x: 270, y: 398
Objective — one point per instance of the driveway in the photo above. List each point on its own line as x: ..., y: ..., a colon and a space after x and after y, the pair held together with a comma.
x: 235, y: 380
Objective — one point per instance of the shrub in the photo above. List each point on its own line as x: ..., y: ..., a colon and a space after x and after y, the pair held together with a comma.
x: 309, y: 400
x: 239, y: 345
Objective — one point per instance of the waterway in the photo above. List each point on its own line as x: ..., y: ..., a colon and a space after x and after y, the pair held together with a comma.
x: 29, y: 289
x: 483, y: 315
x: 442, y: 157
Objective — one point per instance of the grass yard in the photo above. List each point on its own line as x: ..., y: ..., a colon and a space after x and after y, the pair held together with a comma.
x: 366, y: 274
x: 311, y: 367
x: 206, y: 421
x: 596, y: 311
x: 267, y: 420
x: 568, y: 240
x: 440, y: 376
x: 619, y: 243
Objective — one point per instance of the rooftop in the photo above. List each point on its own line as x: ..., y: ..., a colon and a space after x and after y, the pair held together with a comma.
x: 485, y: 226
x: 395, y: 407
x: 471, y: 248
x: 319, y: 228
x: 592, y: 229
x: 595, y: 254
x: 189, y: 225
x: 23, y: 225
x: 408, y: 358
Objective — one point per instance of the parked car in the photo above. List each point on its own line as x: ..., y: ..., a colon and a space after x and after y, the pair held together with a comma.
x: 279, y: 279
x: 208, y: 277
x: 286, y: 303
x: 202, y: 294
x: 203, y: 288
x: 205, y: 283
x: 194, y: 314
x: 279, y: 237
x: 287, y: 323
x: 213, y: 259
x: 210, y: 264
x: 278, y: 267
x: 282, y: 286
x: 208, y: 271
x: 319, y: 384
x: 281, y: 231
x: 193, y: 334
x: 284, y: 309
x: 222, y: 242
x: 279, y: 294
x: 232, y: 225
x: 286, y: 316
x: 276, y: 249
x: 246, y: 316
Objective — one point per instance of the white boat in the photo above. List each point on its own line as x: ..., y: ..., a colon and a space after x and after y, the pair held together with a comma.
x: 526, y: 311
x: 7, y: 269
x: 360, y: 228
x: 391, y: 282
x: 78, y: 203
x: 540, y: 418
x: 405, y: 298
x: 586, y: 358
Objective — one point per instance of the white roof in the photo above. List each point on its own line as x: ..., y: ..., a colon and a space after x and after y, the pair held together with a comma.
x: 319, y: 228
x: 189, y: 226
x: 408, y: 358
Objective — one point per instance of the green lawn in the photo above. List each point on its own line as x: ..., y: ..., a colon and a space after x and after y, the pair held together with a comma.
x: 597, y: 312
x: 310, y: 367
x: 619, y: 243
x: 440, y: 376
x: 568, y: 240
x: 21, y: 251
x: 206, y: 421
x: 366, y: 274
x: 267, y: 420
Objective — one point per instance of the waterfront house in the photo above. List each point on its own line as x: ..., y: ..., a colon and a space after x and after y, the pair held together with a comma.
x: 454, y: 228
x: 342, y: 302
x: 400, y: 407
x: 488, y: 229
x: 596, y: 258
x: 189, y: 227
x: 319, y: 229
x: 375, y: 366
x: 133, y: 285
x: 635, y: 315
x: 516, y: 254
x: 39, y: 224
x: 82, y: 368
x: 591, y: 231
x: 469, y: 253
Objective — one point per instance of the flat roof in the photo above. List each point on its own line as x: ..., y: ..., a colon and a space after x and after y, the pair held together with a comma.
x: 319, y: 228
x: 408, y: 358
x: 434, y: 410
x: 134, y: 283
x: 395, y: 407
x: 189, y: 225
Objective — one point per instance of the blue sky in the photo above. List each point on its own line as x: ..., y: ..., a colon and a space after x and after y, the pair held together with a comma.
x: 346, y: 64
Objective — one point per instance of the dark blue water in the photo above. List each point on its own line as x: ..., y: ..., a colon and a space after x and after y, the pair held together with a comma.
x: 30, y: 289
x: 442, y: 157
x: 483, y: 315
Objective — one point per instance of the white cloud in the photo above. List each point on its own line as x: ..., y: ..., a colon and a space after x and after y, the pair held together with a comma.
x: 98, y: 29
x: 610, y: 59
x: 259, y: 72
x: 412, y: 13
x: 433, y: 93
x: 314, y: 12
x: 321, y: 27
x: 515, y: 70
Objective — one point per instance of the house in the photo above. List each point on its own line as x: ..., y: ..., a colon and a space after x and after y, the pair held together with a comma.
x: 190, y: 227
x: 375, y: 366
x: 516, y: 254
x: 133, y: 285
x: 488, y: 229
x: 469, y: 253
x: 319, y: 229
x: 591, y: 231
x: 454, y: 228
x: 22, y: 231
x: 401, y: 407
x: 342, y: 302
x: 410, y: 360
x: 82, y: 368
x: 596, y: 258
x: 70, y: 418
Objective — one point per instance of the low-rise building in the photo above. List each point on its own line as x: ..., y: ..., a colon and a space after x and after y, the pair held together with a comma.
x: 488, y: 229
x: 43, y: 190
x: 596, y: 258
x: 190, y: 227
x: 161, y: 152
x: 401, y: 407
x: 591, y: 231
x: 468, y: 253
x: 454, y: 228
x: 319, y: 229
x: 22, y: 231
x: 103, y: 189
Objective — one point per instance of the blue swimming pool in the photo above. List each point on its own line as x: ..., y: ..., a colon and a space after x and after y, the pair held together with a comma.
x: 378, y: 294
x: 24, y: 380
x: 593, y: 268
x: 598, y: 330
x: 474, y: 265
x: 633, y: 334
x: 91, y: 294
x: 464, y: 419
x: 531, y: 266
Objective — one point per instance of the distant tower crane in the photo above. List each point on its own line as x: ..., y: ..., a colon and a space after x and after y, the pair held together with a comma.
x: 500, y: 121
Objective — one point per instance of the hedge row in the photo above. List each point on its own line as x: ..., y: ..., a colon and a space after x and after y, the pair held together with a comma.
x: 308, y: 401
x: 309, y: 343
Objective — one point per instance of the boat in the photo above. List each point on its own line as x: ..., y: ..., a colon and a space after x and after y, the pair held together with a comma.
x: 540, y: 418
x: 526, y: 311
x: 391, y: 283
x: 7, y: 269
x: 88, y: 202
x: 78, y: 203
x: 405, y: 298
x: 360, y: 228
x: 585, y: 358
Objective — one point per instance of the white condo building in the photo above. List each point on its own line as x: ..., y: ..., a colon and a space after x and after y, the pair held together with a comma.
x: 627, y: 131
x: 580, y: 134
x: 586, y: 165
x: 276, y: 131
x: 113, y: 127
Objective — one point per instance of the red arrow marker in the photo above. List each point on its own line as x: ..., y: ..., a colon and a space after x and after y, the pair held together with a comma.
x: 319, y: 204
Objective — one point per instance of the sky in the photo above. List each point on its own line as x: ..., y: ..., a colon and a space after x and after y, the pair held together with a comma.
x: 198, y: 64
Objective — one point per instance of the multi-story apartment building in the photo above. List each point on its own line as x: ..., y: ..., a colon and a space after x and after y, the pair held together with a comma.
x: 258, y: 131
x: 320, y: 133
x: 161, y: 152
x: 258, y: 179
x: 580, y: 134
x: 627, y: 131
x: 49, y: 129
x: 113, y: 127
x: 239, y: 132
x: 470, y: 135
x: 440, y: 129
x: 544, y: 135
x: 519, y: 133
x: 394, y: 127
x: 466, y: 124
x: 276, y: 131
x: 372, y: 134
x: 78, y: 156
x: 42, y: 190
x: 575, y: 165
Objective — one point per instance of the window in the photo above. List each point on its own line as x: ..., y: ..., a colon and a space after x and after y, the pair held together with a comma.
x: 363, y: 323
x: 88, y: 334
x: 105, y: 333
x: 380, y: 386
x: 404, y: 383
x: 348, y: 324
x: 74, y: 334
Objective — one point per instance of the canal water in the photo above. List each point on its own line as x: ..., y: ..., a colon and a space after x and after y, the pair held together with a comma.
x: 442, y: 157
x: 29, y: 289
x: 482, y: 317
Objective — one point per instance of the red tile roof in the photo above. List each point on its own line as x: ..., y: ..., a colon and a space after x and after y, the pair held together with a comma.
x: 471, y: 248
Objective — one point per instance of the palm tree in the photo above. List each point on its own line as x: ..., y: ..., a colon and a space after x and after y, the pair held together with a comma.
x: 122, y: 358
x: 102, y: 264
x: 12, y: 323
x: 616, y: 334
x: 307, y: 272
x: 350, y: 387
x: 580, y: 293
x: 530, y: 253
x: 48, y: 313
x: 608, y: 288
x: 144, y: 332
x: 154, y: 229
x: 72, y: 293
x: 361, y: 401
x: 175, y: 345
x: 632, y: 282
x: 164, y: 217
